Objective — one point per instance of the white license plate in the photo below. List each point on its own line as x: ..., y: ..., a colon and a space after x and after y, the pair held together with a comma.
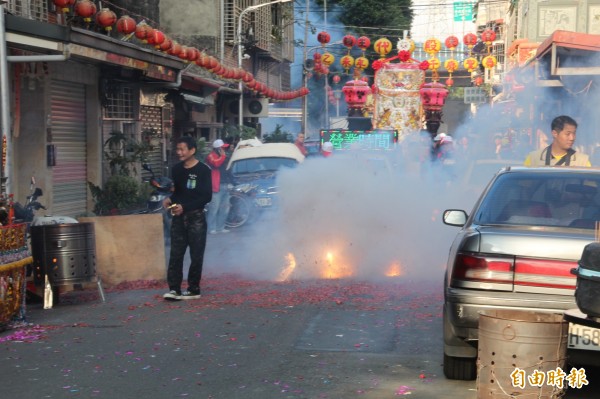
x: 582, y: 337
x: 263, y: 201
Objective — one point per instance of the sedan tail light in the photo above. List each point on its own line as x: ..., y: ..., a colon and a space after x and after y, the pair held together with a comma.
x: 547, y: 275
x: 480, y: 271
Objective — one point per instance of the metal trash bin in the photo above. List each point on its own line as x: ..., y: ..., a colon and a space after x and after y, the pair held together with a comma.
x: 65, y: 252
x: 520, y: 342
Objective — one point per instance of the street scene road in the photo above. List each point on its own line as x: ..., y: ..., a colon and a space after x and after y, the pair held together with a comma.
x: 339, y: 298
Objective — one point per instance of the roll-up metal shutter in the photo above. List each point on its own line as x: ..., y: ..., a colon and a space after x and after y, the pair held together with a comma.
x: 69, y: 135
x: 152, y: 119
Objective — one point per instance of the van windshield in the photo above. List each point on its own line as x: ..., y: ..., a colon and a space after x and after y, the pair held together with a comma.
x: 257, y: 165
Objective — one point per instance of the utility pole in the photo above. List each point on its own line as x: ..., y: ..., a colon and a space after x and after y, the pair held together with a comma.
x: 304, y: 71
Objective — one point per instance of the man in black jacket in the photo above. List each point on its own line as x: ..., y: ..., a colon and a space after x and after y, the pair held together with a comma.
x: 193, y: 190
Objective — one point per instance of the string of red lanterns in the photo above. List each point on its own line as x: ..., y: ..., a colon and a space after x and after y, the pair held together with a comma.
x: 126, y: 25
x: 383, y: 47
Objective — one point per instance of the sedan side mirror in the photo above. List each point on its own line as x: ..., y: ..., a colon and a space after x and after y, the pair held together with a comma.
x: 455, y: 217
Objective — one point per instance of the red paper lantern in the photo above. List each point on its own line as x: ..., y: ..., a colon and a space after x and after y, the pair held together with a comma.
x: 323, y: 38
x: 451, y: 42
x: 219, y: 70
x: 175, y: 49
x: 166, y: 44
x: 156, y: 37
x: 183, y: 53
x: 212, y: 62
x: 126, y: 25
x: 85, y: 9
x: 470, y: 39
x: 193, y: 54
x: 142, y: 31
x: 363, y: 43
x: 449, y: 82
x: 336, y: 79
x: 106, y: 18
x: 247, y: 77
x: 488, y: 36
x: 63, y: 5
x: 478, y: 81
x: 349, y: 41
x: 201, y: 60
x: 317, y: 56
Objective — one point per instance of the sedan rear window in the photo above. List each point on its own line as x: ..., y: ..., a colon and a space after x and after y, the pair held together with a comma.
x: 542, y: 199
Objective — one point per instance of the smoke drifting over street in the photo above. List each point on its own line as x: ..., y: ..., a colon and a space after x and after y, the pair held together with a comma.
x: 358, y: 215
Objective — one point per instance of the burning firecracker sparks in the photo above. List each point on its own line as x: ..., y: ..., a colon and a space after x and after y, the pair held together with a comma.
x: 334, y: 269
x: 395, y: 270
x: 289, y: 269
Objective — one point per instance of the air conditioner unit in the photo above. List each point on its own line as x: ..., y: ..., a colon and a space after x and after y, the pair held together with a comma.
x: 253, y: 108
x: 256, y: 108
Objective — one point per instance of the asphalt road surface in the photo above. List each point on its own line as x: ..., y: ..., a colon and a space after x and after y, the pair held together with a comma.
x: 245, y: 338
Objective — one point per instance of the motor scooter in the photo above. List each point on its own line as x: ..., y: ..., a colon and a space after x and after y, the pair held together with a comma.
x: 163, y: 188
x: 26, y: 213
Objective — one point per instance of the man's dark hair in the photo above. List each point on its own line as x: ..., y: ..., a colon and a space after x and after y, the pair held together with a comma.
x: 558, y: 123
x: 187, y: 140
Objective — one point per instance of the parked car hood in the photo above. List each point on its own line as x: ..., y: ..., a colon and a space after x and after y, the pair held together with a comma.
x: 543, y: 242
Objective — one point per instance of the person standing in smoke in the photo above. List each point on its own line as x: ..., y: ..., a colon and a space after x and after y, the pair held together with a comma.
x: 218, y: 209
x: 560, y: 152
x: 327, y: 149
x: 193, y: 191
x: 300, y: 144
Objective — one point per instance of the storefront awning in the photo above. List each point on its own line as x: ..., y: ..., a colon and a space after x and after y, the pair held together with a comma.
x: 52, y: 39
x: 567, y: 53
x: 207, y: 100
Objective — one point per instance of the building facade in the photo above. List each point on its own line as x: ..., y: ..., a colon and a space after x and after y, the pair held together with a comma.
x: 72, y: 84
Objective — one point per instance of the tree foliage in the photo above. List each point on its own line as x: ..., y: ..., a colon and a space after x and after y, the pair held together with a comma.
x: 278, y: 136
x: 390, y: 17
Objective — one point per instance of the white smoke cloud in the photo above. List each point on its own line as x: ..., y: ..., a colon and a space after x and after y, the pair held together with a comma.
x: 366, y: 217
x: 368, y: 222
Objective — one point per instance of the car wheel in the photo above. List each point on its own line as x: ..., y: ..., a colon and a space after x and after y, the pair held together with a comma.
x: 240, y: 210
x: 460, y: 368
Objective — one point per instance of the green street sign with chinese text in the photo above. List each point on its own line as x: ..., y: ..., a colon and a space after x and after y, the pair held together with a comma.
x: 463, y: 11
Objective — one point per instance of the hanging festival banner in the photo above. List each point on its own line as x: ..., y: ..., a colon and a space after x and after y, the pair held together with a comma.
x: 397, y: 100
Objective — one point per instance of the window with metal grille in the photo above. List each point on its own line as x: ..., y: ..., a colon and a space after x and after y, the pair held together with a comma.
x: 229, y: 21
x: 119, y: 103
x: 32, y: 9
x: 499, y: 52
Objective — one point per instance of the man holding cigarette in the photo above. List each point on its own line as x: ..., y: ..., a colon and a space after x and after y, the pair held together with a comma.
x: 193, y: 190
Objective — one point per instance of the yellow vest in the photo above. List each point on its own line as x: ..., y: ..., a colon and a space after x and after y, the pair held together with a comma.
x: 538, y: 158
